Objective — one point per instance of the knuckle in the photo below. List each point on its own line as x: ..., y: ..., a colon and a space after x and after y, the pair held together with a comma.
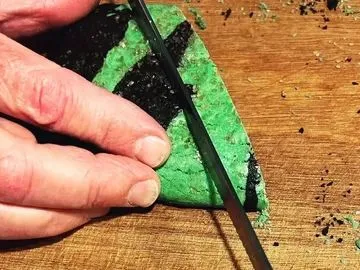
x: 15, y: 178
x: 45, y: 102
x: 93, y: 198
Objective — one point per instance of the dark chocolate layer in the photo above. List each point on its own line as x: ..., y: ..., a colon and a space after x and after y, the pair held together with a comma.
x: 146, y: 84
x: 253, y: 179
x: 82, y: 46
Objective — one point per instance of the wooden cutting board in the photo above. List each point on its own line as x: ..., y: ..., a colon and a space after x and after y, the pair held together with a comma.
x: 284, y: 74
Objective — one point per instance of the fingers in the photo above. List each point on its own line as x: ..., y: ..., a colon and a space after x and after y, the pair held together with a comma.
x: 16, y: 130
x: 51, y: 176
x: 23, y: 18
x: 27, y: 223
x: 36, y: 90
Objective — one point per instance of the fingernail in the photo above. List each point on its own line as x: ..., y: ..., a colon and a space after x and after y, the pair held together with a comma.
x: 152, y: 150
x: 144, y: 194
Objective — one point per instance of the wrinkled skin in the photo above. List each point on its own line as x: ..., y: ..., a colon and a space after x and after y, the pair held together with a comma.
x: 46, y: 189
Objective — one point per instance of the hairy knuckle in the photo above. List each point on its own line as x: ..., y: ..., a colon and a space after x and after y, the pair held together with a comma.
x: 15, y: 178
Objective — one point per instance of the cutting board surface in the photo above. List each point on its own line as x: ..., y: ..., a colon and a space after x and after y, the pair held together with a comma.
x: 286, y: 74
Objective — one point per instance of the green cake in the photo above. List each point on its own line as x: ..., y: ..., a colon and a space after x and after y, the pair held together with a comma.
x: 107, y: 48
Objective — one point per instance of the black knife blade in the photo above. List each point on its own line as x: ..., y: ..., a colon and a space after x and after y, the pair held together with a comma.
x: 202, y: 140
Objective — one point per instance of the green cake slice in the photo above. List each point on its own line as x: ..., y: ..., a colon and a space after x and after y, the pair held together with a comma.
x: 124, y: 65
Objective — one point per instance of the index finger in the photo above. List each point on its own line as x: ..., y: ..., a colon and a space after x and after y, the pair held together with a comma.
x: 38, y: 91
x: 23, y: 18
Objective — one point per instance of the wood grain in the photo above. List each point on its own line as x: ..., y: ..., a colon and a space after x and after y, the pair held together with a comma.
x: 259, y: 59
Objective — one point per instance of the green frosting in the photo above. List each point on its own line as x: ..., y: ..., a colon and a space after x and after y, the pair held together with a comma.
x: 183, y: 177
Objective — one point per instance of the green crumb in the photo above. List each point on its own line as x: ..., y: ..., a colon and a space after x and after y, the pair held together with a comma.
x: 347, y: 9
x: 263, y: 7
x: 357, y: 244
x: 354, y: 223
x: 262, y: 220
x: 266, y: 12
x: 122, y: 7
x: 199, y: 20
x: 274, y: 17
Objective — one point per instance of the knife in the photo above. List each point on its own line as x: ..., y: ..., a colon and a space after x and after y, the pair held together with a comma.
x: 207, y: 151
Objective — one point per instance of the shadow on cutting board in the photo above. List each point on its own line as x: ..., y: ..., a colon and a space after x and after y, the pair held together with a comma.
x: 18, y: 245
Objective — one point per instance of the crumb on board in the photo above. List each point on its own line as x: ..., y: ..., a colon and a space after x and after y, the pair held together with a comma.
x: 301, y: 130
x: 226, y: 13
x: 199, y: 20
x: 283, y: 94
x: 276, y: 244
x: 350, y: 220
x: 357, y: 243
x: 305, y: 7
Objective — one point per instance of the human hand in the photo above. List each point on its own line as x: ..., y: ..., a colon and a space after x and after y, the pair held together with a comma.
x: 48, y: 189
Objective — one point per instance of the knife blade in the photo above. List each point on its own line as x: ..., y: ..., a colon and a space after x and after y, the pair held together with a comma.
x: 208, y: 153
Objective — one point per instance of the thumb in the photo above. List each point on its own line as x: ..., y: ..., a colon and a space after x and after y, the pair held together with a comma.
x: 29, y: 17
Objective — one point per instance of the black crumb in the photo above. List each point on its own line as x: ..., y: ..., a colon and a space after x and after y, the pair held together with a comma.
x: 323, y: 218
x: 309, y: 6
x: 276, y: 244
x: 322, y: 178
x: 348, y: 191
x: 339, y: 240
x: 317, y: 235
x: 331, y: 215
x: 340, y: 222
x: 301, y: 130
x: 332, y: 4
x: 326, y: 19
x: 251, y: 14
x: 327, y: 171
x: 322, y: 185
x: 317, y: 222
x: 325, y: 231
x: 324, y: 27
x: 317, y: 197
x: 350, y: 184
x: 355, y: 83
x: 358, y: 111
x: 331, y: 236
x: 330, y: 183
x: 226, y: 13
x: 348, y: 59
